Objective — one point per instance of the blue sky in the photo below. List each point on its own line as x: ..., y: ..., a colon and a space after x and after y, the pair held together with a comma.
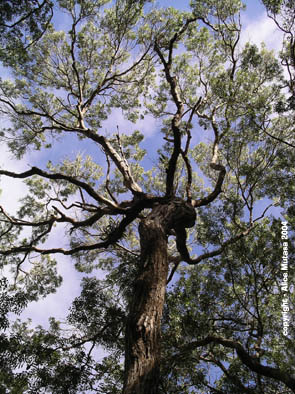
x: 257, y: 28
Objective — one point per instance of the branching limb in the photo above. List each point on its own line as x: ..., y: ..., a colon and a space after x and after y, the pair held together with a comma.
x: 216, y: 252
x: 119, y: 161
x: 128, y: 250
x: 81, y: 223
x: 217, y: 190
x: 215, y: 166
x: 107, y: 184
x: 184, y: 152
x: 248, y: 360
x: 68, y: 178
x: 19, y: 222
x: 76, y: 72
x: 28, y: 15
x: 110, y: 79
x: 230, y: 376
x: 278, y: 139
x: 177, y: 117
x: 176, y: 120
x: 61, y: 218
x: 130, y: 215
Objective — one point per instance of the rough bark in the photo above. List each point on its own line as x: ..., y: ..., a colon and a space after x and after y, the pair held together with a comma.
x: 143, y: 330
x: 142, y: 358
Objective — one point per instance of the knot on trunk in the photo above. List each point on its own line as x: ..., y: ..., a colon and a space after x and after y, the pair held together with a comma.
x: 183, y: 215
x: 174, y: 215
x: 173, y: 218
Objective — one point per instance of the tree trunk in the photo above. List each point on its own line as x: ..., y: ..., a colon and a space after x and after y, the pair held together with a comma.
x: 143, y: 328
x: 142, y: 356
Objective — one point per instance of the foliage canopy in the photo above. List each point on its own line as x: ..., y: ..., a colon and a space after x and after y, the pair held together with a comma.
x: 203, y: 217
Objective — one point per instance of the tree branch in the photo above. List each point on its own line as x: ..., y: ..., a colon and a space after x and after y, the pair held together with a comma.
x: 68, y: 178
x: 217, y: 167
x: 120, y: 163
x: 176, y: 120
x: 130, y: 213
x: 217, y: 252
x: 248, y: 360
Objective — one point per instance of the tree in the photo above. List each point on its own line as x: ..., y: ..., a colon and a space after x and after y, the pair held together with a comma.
x: 202, y: 205
x: 21, y: 24
x: 282, y: 13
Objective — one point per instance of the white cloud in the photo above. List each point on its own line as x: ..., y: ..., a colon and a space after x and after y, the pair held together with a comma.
x: 261, y: 29
x: 147, y: 126
x: 56, y: 304
x: 11, y: 189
